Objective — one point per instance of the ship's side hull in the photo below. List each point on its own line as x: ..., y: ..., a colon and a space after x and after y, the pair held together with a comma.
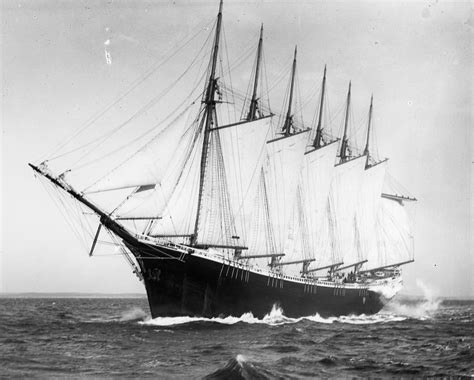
x: 198, y: 286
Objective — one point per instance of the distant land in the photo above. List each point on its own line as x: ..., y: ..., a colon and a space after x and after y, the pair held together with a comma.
x: 143, y: 295
x: 72, y: 295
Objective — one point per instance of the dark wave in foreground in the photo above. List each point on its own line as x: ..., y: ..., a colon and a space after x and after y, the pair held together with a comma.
x: 97, y: 338
x: 238, y: 369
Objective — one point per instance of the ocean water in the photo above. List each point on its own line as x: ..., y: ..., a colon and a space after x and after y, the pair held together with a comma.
x: 111, y: 338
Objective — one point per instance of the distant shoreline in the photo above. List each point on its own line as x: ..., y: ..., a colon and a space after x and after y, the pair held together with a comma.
x: 143, y: 295
x: 71, y: 295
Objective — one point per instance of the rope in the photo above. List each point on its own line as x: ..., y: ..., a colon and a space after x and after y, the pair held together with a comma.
x: 137, y: 82
x: 151, y: 103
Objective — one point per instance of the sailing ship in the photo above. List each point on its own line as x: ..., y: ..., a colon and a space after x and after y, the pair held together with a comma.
x: 224, y: 217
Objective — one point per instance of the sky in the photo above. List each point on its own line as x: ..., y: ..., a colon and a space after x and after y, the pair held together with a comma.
x: 63, y: 61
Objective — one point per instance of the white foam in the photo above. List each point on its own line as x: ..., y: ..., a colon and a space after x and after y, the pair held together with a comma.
x: 274, y: 318
x: 423, y: 309
x: 241, y: 359
x: 133, y: 314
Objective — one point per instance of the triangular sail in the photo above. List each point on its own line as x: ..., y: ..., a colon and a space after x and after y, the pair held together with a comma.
x: 174, y: 199
x: 150, y: 164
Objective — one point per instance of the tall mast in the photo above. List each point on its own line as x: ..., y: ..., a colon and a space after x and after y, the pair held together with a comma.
x: 252, y: 115
x: 317, y: 139
x: 343, y: 152
x: 289, y: 117
x: 366, y: 150
x: 208, y: 116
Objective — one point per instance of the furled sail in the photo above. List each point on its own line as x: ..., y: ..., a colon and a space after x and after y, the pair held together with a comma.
x: 344, y: 196
x: 309, y: 237
x: 235, y: 158
x: 394, y: 234
x: 366, y: 212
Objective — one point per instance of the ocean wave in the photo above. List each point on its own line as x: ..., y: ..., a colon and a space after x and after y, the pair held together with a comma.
x: 130, y: 315
x: 237, y: 368
x: 422, y: 310
x: 133, y: 314
x: 274, y: 318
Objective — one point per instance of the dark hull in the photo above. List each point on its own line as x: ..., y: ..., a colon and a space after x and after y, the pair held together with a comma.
x: 198, y: 286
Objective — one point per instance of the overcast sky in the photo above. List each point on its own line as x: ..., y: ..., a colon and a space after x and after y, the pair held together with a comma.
x: 416, y: 57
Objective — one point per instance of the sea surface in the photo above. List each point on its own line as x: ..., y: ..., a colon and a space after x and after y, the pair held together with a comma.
x: 116, y: 338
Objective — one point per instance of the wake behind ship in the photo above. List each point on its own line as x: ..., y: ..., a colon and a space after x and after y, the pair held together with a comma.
x: 223, y: 210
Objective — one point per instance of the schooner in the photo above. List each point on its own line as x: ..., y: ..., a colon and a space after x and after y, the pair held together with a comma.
x: 224, y: 217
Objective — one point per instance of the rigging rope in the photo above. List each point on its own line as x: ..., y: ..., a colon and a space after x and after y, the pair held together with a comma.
x: 150, y: 104
x: 137, y: 82
x: 139, y: 150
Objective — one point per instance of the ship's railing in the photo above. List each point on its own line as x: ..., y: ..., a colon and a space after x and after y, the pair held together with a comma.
x: 214, y: 254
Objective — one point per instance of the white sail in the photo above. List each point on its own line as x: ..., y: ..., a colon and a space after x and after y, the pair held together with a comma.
x: 179, y: 205
x: 344, y: 195
x: 282, y: 171
x: 174, y: 199
x: 367, y: 208
x: 309, y: 237
x: 394, y: 234
x: 235, y: 158
x: 261, y: 239
x: 148, y: 165
x: 297, y: 242
x: 244, y: 150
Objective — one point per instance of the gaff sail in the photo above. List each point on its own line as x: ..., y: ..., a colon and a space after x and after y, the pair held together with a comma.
x: 344, y: 196
x: 308, y: 234
x: 394, y: 234
x: 366, y: 211
x: 282, y: 170
x: 236, y: 155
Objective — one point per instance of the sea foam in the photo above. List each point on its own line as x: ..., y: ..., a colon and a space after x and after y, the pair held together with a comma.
x: 421, y: 309
x: 274, y: 318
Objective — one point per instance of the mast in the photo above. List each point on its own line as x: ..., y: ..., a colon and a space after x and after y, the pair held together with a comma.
x: 208, y: 116
x: 343, y: 153
x: 252, y: 115
x: 289, y: 117
x: 317, y: 139
x: 366, y: 150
